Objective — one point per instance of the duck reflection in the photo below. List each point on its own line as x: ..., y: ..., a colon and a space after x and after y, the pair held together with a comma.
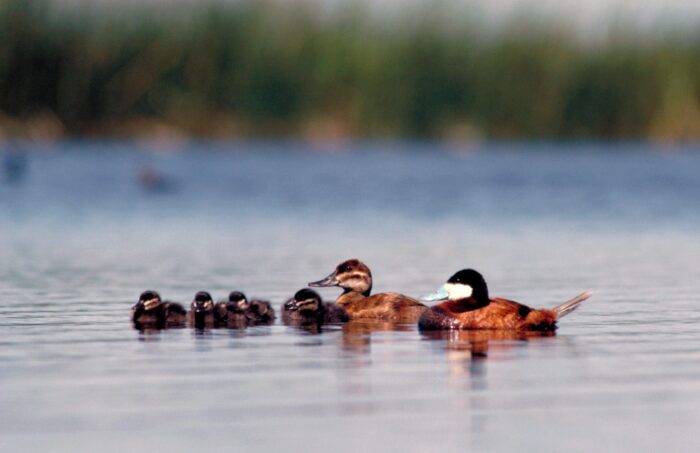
x: 357, y: 334
x: 152, y: 333
x: 467, y: 350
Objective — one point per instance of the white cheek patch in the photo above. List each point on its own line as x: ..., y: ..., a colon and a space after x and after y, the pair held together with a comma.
x: 309, y: 304
x: 456, y: 291
x: 150, y: 304
x: 355, y: 280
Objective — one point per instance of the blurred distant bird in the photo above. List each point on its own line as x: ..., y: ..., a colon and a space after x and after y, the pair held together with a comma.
x: 153, y: 180
x: 14, y: 166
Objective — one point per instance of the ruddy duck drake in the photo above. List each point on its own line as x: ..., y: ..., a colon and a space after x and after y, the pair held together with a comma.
x: 151, y: 311
x: 468, y: 306
x: 237, y: 311
x: 356, y: 280
x: 306, y: 308
x: 202, y: 310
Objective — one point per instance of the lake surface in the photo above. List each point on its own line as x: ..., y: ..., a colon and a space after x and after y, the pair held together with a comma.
x: 86, y: 226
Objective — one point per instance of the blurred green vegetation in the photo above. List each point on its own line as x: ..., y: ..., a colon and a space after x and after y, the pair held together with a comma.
x: 256, y: 68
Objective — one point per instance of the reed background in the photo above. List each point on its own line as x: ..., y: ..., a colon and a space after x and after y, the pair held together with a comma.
x: 258, y: 68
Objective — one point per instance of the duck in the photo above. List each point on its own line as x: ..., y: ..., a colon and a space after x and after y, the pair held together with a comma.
x: 356, y: 280
x: 237, y: 311
x: 467, y: 305
x: 152, y: 311
x: 307, y: 308
x: 201, y: 310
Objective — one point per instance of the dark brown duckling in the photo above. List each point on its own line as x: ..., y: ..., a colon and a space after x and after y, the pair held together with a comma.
x: 151, y: 312
x: 356, y: 280
x: 307, y: 308
x: 238, y: 312
x: 469, y: 306
x: 201, y: 313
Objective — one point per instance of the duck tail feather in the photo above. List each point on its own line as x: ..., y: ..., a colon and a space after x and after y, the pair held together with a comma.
x: 571, y: 305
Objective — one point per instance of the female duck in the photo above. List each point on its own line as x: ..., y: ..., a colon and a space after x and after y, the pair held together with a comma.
x: 202, y: 310
x: 468, y: 306
x: 356, y: 280
x: 306, y: 308
x: 151, y: 311
x: 237, y: 311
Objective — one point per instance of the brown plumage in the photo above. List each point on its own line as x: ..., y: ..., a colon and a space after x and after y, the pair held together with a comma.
x: 201, y: 314
x: 307, y: 308
x: 357, y: 334
x: 238, y: 312
x: 470, y: 307
x: 150, y: 312
x: 356, y: 280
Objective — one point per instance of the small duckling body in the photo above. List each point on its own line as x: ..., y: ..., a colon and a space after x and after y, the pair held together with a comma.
x: 307, y: 308
x: 356, y: 280
x: 238, y: 312
x: 201, y: 312
x: 151, y: 312
x: 469, y: 306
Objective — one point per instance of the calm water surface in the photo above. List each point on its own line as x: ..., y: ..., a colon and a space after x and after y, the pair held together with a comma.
x: 80, y: 238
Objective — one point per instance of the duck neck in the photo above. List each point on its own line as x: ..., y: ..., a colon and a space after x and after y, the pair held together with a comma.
x: 365, y: 293
x: 351, y: 296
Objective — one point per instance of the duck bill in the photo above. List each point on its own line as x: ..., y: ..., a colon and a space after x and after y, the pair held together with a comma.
x: 437, y: 296
x: 331, y: 280
x: 291, y: 305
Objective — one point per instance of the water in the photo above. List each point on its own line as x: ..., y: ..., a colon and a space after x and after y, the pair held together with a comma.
x: 81, y: 238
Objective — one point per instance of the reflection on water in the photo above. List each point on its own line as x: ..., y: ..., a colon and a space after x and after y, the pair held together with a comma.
x: 357, y: 335
x: 476, y: 342
x: 467, y: 350
x: 80, y: 239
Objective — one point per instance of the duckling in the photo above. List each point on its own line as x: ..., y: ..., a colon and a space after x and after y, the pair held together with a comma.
x: 356, y: 280
x: 469, y: 306
x: 306, y: 308
x: 201, y: 310
x: 151, y: 311
x: 237, y: 311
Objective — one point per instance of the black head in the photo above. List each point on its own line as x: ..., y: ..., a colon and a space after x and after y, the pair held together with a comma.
x: 239, y: 299
x: 202, y: 303
x: 306, y: 300
x: 467, y: 283
x: 148, y: 300
x: 147, y: 295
